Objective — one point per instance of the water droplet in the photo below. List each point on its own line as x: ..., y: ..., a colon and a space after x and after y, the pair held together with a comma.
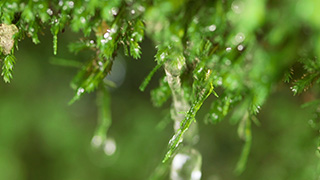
x: 106, y: 35
x: 71, y: 4
x: 114, y: 11
x: 186, y: 165
x: 228, y: 62
x: 80, y: 10
x: 40, y: 6
x: 240, y: 37
x: 103, y: 41
x: 133, y: 11
x: 228, y: 49
x: 80, y: 91
x: 240, y: 47
x: 294, y: 89
x: 179, y: 160
x: 196, y: 174
x: 141, y: 8
x: 219, y: 82
x: 199, y: 71
x: 82, y: 20
x: 162, y: 56
x: 212, y: 27
x: 109, y: 147
x: 50, y: 12
x: 237, y: 6
x: 196, y: 20
x: 96, y: 141
x: 100, y: 65
x: 214, y: 116
x: 60, y: 3
x: 113, y: 30
x: 64, y: 7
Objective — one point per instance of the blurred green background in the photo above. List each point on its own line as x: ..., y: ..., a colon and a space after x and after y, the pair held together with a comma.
x: 41, y: 137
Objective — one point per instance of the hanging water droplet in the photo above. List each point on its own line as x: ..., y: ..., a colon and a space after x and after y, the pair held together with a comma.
x: 240, y: 47
x: 96, y: 141
x: 228, y: 49
x: 212, y: 27
x: 196, y: 174
x: 186, y: 165
x: 133, y: 11
x: 110, y: 147
x: 50, y: 12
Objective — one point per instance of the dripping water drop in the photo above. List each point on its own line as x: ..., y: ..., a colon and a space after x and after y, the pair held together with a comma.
x: 96, y: 141
x: 109, y: 147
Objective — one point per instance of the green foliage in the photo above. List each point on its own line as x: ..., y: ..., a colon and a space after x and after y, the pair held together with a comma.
x: 241, y: 48
x: 7, y: 68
